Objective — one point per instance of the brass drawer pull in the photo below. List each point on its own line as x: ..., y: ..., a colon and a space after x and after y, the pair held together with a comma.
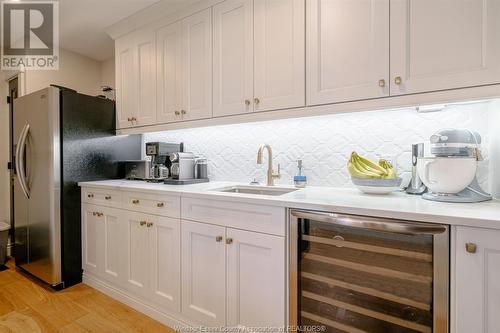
x: 471, y: 247
x: 381, y: 83
x: 247, y: 102
x: 142, y: 223
x: 108, y: 197
x: 90, y: 195
x: 135, y: 201
x: 149, y: 224
x: 177, y: 113
x: 229, y: 241
x: 398, y: 80
x: 160, y: 205
x: 183, y: 112
x: 256, y: 100
x: 218, y: 239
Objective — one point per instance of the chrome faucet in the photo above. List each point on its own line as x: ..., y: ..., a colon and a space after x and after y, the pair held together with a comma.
x: 270, y: 172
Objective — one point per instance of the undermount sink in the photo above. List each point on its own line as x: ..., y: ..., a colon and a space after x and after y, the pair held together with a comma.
x: 259, y: 190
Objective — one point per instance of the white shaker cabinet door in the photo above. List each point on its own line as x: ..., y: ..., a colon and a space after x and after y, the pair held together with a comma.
x: 197, y: 56
x: 136, y: 253
x: 444, y: 44
x: 477, y: 280
x: 92, y: 239
x: 165, y: 271
x: 347, y: 50
x: 114, y: 261
x: 170, y: 72
x: 233, y: 57
x: 126, y: 101
x: 255, y: 279
x: 279, y: 51
x: 204, y: 273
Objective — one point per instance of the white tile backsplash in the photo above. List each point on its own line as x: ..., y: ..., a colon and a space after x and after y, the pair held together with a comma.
x: 325, y: 143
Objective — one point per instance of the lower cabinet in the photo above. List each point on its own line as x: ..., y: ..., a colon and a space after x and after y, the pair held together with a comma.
x: 477, y: 276
x: 199, y: 273
x: 232, y: 277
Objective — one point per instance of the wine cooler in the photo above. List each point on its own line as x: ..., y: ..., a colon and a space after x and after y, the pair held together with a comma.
x: 356, y: 274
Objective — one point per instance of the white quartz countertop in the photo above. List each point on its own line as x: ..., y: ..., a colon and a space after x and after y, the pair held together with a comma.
x: 397, y: 205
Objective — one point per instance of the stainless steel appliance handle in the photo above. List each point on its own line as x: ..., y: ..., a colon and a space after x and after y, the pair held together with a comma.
x: 409, y: 228
x: 20, y: 150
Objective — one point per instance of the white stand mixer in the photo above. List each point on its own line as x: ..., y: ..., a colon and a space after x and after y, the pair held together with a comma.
x: 451, y: 174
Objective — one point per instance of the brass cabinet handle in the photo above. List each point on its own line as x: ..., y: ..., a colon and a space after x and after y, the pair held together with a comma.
x: 247, y: 102
x: 218, y: 239
x: 471, y: 247
x: 90, y: 195
x: 160, y: 204
x: 397, y: 80
x: 183, y: 112
x: 177, y: 113
x: 135, y: 201
x: 229, y: 241
x: 97, y: 214
x: 108, y: 197
x: 142, y: 223
x: 129, y: 119
x: 381, y: 83
x: 94, y: 213
x: 256, y: 100
x: 149, y: 224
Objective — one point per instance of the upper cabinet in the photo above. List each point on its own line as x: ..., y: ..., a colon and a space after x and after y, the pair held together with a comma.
x: 258, y: 55
x: 247, y: 56
x: 135, y: 64
x: 347, y: 50
x: 444, y: 44
x: 184, y: 75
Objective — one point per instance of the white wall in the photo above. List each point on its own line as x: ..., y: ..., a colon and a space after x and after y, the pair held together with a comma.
x: 75, y: 71
x: 325, y: 143
x: 108, y: 73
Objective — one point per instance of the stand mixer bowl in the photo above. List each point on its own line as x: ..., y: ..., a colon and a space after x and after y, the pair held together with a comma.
x: 447, y: 175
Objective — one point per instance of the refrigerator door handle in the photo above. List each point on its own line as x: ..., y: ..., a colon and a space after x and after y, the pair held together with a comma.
x: 20, y: 150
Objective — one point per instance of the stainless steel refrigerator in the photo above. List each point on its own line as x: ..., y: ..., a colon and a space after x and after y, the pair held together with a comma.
x: 61, y: 137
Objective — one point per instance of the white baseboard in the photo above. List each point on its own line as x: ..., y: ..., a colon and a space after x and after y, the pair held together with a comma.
x: 134, y: 303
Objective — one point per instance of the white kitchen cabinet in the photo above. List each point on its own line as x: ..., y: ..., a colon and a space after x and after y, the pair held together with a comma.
x: 233, y: 57
x: 136, y: 252
x: 184, y: 76
x: 165, y: 262
x: 169, y: 74
x: 255, y: 279
x: 258, y: 55
x: 136, y: 79
x: 92, y: 239
x: 102, y: 245
x: 279, y: 57
x: 204, y: 273
x: 444, y: 44
x: 477, y: 275
x: 347, y: 50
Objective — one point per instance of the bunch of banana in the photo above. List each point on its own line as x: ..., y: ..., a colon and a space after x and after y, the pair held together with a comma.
x: 361, y: 167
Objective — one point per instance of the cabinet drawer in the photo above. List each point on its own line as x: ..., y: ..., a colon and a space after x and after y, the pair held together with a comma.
x: 265, y: 219
x: 157, y: 204
x: 102, y: 197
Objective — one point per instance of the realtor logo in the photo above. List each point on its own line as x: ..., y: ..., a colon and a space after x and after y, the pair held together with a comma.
x: 30, y: 35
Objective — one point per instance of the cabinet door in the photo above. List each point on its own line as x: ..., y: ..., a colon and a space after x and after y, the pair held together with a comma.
x: 477, y: 275
x: 197, y: 92
x: 444, y: 44
x: 126, y: 101
x: 233, y: 57
x: 113, y: 235
x: 204, y: 273
x: 165, y: 270
x: 279, y: 52
x: 137, y: 253
x: 347, y: 50
x: 169, y: 74
x: 255, y: 279
x: 145, y: 65
x: 92, y: 240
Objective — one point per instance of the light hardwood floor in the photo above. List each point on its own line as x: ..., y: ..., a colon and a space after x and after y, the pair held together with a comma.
x: 27, y: 307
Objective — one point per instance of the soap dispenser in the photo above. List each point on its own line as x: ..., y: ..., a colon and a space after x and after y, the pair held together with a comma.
x: 300, y: 180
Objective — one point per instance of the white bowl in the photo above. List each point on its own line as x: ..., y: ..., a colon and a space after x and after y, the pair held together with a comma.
x: 377, y: 189
x: 447, y: 174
